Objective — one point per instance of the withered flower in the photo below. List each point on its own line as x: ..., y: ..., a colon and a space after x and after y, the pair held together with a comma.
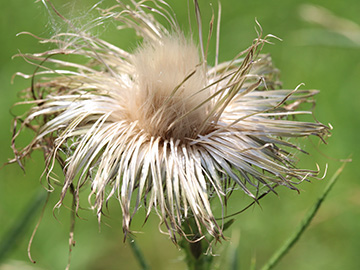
x: 159, y: 127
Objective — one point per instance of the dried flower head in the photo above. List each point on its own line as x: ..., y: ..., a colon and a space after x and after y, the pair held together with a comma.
x: 159, y: 126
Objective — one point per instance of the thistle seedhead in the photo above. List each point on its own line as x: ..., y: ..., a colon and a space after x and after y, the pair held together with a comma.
x: 159, y: 126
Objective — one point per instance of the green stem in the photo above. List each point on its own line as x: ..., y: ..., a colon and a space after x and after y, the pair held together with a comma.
x: 303, y: 225
x: 196, y: 255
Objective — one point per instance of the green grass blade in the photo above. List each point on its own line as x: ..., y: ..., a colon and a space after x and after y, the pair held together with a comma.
x: 16, y: 231
x: 303, y: 225
x: 234, y: 250
x: 138, y: 254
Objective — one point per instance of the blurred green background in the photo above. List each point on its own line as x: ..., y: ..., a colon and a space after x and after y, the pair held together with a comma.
x: 324, y: 57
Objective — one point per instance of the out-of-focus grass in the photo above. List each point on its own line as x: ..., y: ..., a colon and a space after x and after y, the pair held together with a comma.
x: 333, y: 239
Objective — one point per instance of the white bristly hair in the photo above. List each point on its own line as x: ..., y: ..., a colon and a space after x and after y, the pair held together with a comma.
x: 159, y: 127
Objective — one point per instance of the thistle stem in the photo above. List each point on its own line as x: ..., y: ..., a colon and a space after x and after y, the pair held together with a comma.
x: 196, y: 255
